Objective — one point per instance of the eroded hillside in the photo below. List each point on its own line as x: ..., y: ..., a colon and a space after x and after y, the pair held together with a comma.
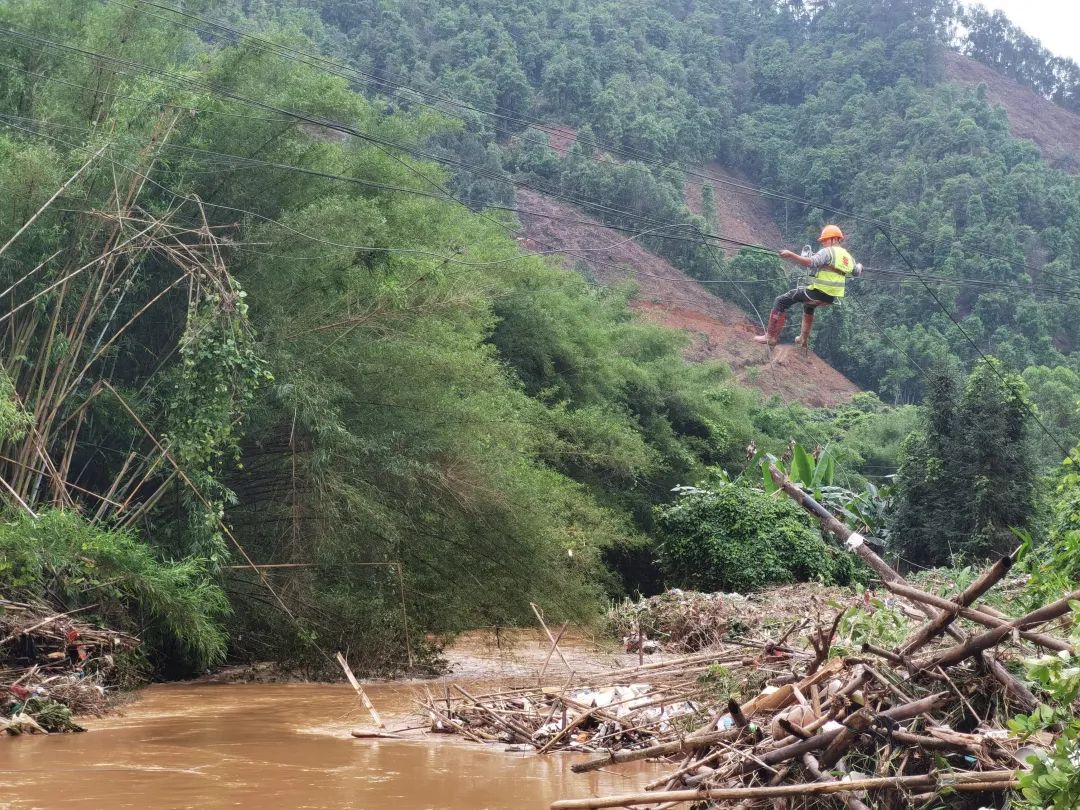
x: 719, y: 330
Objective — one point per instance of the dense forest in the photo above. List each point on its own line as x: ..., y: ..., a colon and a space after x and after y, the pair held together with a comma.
x: 264, y: 303
x: 836, y: 103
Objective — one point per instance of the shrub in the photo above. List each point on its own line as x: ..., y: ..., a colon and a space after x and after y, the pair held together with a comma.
x: 61, y: 559
x: 739, y: 539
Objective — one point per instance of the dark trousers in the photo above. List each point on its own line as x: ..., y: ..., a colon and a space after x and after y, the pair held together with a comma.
x: 810, y: 299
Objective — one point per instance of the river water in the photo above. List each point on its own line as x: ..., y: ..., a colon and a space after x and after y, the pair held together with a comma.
x: 282, y: 746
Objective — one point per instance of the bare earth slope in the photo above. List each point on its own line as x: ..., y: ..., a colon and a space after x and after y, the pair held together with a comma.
x: 1055, y: 130
x: 741, y: 215
x: 719, y: 330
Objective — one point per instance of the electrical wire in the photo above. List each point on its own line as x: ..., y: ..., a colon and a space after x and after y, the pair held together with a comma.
x: 345, y: 71
x: 230, y: 94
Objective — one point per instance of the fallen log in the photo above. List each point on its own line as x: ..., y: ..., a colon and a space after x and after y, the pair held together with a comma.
x: 685, y: 745
x: 991, y: 638
x: 957, y: 781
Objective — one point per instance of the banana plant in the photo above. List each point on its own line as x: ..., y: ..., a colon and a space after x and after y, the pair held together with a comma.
x: 862, y: 511
x: 804, y: 469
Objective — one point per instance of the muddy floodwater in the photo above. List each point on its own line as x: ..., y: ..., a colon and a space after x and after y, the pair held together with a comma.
x: 213, y: 745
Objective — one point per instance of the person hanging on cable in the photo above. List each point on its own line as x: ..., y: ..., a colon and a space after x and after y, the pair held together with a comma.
x: 831, y: 267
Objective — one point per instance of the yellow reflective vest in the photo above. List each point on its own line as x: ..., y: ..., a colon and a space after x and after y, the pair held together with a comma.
x: 830, y: 278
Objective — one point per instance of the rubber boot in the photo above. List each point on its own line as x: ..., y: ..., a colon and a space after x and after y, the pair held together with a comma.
x: 804, y: 334
x: 776, y: 325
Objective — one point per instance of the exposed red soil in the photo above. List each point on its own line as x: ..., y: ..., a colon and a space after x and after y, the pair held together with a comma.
x: 561, y: 138
x: 741, y: 215
x: 718, y: 329
x: 1055, y: 130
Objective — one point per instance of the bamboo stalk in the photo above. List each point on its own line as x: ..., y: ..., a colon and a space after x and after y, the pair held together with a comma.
x: 991, y: 638
x: 984, y: 583
x: 51, y: 199
x: 551, y: 638
x: 360, y: 691
x: 958, y: 780
x: 815, y: 771
x: 985, y: 619
x: 662, y: 750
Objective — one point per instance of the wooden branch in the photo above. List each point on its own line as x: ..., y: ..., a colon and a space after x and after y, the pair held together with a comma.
x: 957, y: 780
x: 991, y: 638
x: 934, y: 627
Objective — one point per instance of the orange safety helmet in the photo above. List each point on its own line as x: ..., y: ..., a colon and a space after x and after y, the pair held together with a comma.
x: 830, y: 232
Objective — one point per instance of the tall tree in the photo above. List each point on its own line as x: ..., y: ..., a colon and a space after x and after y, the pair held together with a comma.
x: 968, y: 476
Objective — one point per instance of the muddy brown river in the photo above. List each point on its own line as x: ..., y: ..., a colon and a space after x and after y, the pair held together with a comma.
x: 284, y: 746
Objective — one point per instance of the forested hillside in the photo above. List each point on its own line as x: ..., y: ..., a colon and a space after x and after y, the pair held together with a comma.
x: 240, y: 331
x: 841, y: 104
x: 267, y: 300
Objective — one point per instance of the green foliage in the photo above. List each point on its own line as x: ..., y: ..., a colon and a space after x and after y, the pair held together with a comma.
x: 841, y: 103
x: 967, y: 478
x: 14, y: 419
x: 874, y: 622
x: 50, y: 715
x: 1053, y: 780
x: 993, y: 40
x: 737, y: 539
x: 61, y: 559
x: 1055, y: 565
x: 408, y: 387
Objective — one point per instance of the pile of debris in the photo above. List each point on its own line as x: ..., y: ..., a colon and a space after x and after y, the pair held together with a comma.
x: 53, y: 666
x: 819, y: 710
x: 625, y: 708
x: 681, y: 621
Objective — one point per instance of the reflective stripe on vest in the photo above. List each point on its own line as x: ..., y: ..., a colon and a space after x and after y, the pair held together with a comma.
x: 830, y: 278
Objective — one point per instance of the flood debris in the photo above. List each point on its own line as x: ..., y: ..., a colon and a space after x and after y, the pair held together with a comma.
x: 900, y: 699
x: 54, y: 666
x: 920, y: 721
x: 681, y: 622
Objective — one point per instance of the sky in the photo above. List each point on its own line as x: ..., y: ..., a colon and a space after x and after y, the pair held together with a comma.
x: 1055, y: 23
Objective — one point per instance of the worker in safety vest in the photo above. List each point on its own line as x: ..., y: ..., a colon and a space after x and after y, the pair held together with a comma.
x: 831, y: 265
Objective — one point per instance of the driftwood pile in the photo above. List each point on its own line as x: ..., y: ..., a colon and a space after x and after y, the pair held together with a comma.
x: 821, y: 723
x: 622, y: 709
x: 53, y: 666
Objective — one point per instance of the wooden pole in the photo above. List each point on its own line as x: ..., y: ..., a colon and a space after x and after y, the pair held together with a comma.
x: 360, y: 691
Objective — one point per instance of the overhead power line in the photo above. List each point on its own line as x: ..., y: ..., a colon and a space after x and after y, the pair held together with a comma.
x: 347, y: 71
